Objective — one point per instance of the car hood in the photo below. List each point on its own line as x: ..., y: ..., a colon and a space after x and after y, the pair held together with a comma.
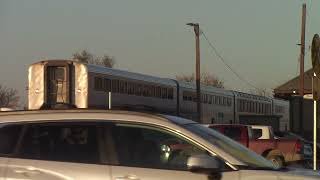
x: 287, y: 174
x: 303, y: 172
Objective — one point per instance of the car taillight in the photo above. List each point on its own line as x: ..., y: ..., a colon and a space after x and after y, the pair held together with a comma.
x: 298, y: 147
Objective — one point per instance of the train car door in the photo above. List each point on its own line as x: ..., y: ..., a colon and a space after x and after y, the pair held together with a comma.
x: 57, y: 85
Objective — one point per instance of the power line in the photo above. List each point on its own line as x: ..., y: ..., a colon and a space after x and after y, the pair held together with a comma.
x: 224, y: 62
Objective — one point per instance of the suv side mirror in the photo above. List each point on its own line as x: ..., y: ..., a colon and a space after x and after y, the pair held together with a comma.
x: 203, y: 163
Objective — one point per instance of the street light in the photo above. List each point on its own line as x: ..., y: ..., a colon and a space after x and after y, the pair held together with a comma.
x: 197, y: 33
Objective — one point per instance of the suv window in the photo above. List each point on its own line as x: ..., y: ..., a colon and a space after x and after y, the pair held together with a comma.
x: 9, y: 135
x: 149, y: 147
x: 68, y: 142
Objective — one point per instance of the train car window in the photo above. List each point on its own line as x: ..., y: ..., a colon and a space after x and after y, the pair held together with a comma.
x: 246, y: 106
x: 194, y: 97
x: 158, y: 92
x: 98, y: 84
x: 140, y: 90
x: 115, y: 86
x: 164, y: 93
x: 190, y: 98
x: 184, y: 96
x: 147, y: 89
x: 209, y: 99
x: 125, y: 84
x: 224, y: 101
x: 253, y: 106
x: 136, y: 89
x: 130, y: 88
x: 170, y: 93
x: 143, y: 90
x: 107, y: 85
x: 152, y: 89
x: 121, y: 87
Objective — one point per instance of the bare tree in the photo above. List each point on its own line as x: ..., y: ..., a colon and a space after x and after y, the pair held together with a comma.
x: 107, y: 61
x: 260, y: 92
x: 206, y: 79
x: 8, y: 97
x: 85, y: 57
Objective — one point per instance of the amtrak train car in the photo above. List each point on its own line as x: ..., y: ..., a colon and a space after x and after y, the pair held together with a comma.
x: 249, y: 104
x: 282, y: 109
x: 56, y: 83
x: 217, y: 103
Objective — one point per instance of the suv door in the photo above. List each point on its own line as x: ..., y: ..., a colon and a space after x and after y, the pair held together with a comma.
x: 60, y: 151
x: 147, y: 152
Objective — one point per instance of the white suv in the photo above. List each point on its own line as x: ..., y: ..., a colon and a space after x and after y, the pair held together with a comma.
x: 117, y: 145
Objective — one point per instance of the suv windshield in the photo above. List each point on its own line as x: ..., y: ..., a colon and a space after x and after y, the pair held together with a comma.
x: 243, y: 154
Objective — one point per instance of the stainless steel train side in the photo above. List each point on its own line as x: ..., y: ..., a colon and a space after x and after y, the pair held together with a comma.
x: 54, y: 82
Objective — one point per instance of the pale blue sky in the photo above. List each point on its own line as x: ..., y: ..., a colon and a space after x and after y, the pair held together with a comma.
x: 257, y: 37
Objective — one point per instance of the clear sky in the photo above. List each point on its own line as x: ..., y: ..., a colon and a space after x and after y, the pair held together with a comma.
x: 256, y: 37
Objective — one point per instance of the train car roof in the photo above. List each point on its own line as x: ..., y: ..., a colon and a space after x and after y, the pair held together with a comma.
x: 252, y: 96
x: 129, y: 75
x: 204, y: 88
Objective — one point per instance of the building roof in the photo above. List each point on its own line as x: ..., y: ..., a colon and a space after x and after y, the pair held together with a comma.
x: 292, y: 86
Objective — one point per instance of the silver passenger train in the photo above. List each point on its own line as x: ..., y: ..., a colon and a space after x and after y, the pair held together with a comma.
x: 59, y: 82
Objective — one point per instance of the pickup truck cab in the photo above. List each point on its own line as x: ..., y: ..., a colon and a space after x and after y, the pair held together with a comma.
x: 279, y: 151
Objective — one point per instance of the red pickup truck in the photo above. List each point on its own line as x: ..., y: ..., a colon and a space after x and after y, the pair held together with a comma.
x: 279, y: 151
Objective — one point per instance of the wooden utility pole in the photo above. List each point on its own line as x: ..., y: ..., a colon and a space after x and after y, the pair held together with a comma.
x: 197, y: 34
x: 302, y: 49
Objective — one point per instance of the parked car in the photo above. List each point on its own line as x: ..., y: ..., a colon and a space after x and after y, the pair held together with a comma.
x: 105, y: 145
x: 279, y: 151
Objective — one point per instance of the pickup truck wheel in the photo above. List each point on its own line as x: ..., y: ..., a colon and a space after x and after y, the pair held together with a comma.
x: 276, y: 160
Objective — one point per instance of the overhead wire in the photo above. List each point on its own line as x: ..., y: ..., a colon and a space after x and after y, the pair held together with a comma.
x: 226, y: 64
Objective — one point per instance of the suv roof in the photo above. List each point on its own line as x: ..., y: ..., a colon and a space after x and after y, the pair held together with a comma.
x: 76, y: 113
x: 234, y: 125
x: 86, y: 113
